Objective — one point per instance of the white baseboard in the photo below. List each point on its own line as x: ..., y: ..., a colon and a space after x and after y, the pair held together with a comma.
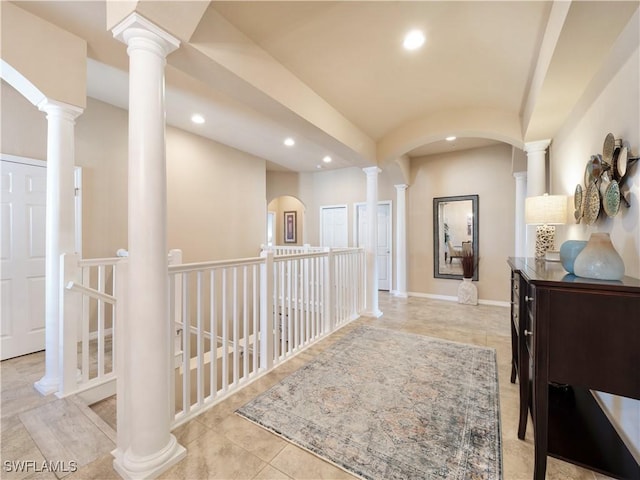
x: 450, y: 298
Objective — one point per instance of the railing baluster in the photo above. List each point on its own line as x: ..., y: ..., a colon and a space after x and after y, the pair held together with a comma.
x: 245, y: 325
x: 225, y: 345
x: 236, y: 352
x: 213, y: 346
x: 100, y: 340
x: 172, y: 343
x: 186, y: 346
x: 256, y: 306
x: 200, y: 341
x: 289, y: 311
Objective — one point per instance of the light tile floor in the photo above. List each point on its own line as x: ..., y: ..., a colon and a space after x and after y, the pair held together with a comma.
x: 221, y: 445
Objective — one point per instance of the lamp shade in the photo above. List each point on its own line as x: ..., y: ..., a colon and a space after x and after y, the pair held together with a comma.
x: 546, y: 210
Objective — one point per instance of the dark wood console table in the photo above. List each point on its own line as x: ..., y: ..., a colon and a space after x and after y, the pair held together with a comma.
x: 571, y: 335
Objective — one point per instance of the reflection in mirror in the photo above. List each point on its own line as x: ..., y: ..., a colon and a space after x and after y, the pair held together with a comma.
x: 455, y: 232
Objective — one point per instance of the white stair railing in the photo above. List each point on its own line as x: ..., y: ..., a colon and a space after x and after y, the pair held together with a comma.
x: 88, y: 317
x: 235, y: 320
x: 231, y: 320
x: 216, y: 319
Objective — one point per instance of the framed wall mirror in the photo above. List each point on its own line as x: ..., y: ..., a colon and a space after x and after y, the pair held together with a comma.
x: 455, y: 231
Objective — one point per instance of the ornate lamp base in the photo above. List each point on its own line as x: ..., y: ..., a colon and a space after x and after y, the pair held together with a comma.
x: 545, y: 239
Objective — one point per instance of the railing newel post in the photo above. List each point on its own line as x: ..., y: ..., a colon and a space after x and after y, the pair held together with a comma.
x: 329, y: 274
x: 70, y: 308
x: 266, y: 311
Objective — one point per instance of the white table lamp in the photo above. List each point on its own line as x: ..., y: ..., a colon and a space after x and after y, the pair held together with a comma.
x: 545, y: 211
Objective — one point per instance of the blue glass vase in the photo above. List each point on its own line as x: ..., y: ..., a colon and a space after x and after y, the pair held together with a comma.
x: 569, y: 250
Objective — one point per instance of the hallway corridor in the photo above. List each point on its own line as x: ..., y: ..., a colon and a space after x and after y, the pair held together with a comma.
x: 221, y: 445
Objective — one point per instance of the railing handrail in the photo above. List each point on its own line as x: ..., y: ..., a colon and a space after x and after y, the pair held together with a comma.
x: 95, y: 262
x: 91, y: 292
x: 192, y: 267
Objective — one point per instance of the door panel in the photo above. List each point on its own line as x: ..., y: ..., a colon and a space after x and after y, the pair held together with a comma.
x: 334, y: 231
x: 22, y: 214
x: 384, y: 240
x: 384, y: 246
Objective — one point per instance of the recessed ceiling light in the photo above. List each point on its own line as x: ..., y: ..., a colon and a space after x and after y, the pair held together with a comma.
x: 327, y: 159
x: 318, y: 167
x: 197, y: 118
x: 289, y: 142
x: 413, y: 40
x: 450, y: 139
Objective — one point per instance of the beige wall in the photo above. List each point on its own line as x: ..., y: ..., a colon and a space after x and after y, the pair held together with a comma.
x: 486, y: 172
x: 613, y: 108
x: 216, y: 199
x: 23, y: 126
x: 53, y: 61
x: 216, y: 194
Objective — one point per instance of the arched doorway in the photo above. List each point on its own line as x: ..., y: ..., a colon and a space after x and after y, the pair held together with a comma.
x: 285, y: 221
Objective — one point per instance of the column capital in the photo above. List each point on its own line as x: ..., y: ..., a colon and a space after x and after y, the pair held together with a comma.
x: 61, y: 109
x: 371, y: 170
x: 537, y: 146
x: 136, y: 26
x: 401, y: 186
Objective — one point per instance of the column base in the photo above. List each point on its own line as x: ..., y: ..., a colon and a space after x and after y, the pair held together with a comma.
x: 397, y: 293
x: 46, y: 386
x: 372, y: 314
x: 133, y: 467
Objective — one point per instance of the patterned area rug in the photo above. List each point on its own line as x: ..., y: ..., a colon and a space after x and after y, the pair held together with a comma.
x: 388, y: 405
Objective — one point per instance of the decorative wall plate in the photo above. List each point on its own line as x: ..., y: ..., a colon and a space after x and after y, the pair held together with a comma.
x: 591, y: 204
x: 578, y: 203
x: 594, y: 169
x: 621, y: 162
x: 611, y: 199
x: 608, y: 148
x: 577, y: 197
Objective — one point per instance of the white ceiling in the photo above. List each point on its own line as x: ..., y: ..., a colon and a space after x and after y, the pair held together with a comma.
x: 478, y: 55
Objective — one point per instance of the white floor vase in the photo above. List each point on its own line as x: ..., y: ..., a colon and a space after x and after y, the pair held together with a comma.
x: 467, y: 292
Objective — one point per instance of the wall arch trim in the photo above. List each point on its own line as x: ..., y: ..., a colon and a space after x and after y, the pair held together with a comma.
x: 481, y: 123
x: 20, y: 83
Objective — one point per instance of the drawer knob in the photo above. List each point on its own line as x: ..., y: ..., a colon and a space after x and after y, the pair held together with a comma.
x: 528, y: 333
x: 528, y: 299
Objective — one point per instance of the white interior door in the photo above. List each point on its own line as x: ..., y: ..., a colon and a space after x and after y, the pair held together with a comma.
x: 23, y: 208
x: 271, y: 222
x: 333, y: 227
x: 384, y: 240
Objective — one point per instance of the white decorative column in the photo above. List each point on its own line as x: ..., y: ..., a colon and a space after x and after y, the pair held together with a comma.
x: 143, y: 380
x: 536, y: 167
x: 60, y: 227
x: 520, y: 225
x: 371, y: 295
x: 401, y: 239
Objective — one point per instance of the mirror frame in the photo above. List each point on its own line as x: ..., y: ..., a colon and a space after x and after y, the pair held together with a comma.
x: 436, y: 234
